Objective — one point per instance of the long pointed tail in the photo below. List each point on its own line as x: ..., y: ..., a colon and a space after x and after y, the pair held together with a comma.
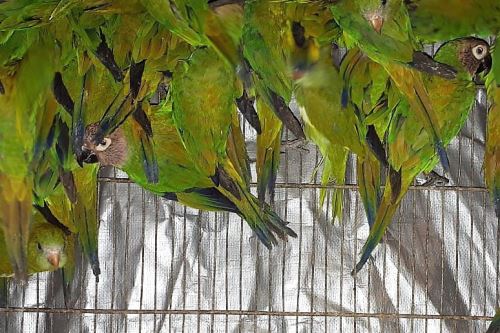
x: 16, y: 210
x: 266, y: 224
x: 410, y: 82
x: 393, y: 194
x: 368, y: 175
x: 495, y: 323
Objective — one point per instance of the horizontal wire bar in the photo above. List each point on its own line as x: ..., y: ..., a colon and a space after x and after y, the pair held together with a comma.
x: 332, y: 186
x: 379, y: 315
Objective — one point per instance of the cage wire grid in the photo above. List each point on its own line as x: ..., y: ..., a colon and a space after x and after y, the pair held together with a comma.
x: 167, y: 268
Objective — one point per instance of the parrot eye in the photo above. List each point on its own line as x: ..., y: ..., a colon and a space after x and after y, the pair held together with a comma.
x: 39, y: 246
x: 479, y: 52
x: 106, y: 142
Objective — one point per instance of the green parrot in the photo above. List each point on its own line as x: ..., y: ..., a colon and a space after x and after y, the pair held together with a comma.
x: 332, y: 128
x: 492, y: 153
x: 46, y: 248
x: 204, y: 91
x: 434, y: 21
x: 24, y: 86
x: 200, y: 23
x: 369, y: 94
x: 181, y: 177
x: 267, y: 42
x: 79, y: 183
x: 382, y: 30
x: 495, y: 323
x: 410, y: 150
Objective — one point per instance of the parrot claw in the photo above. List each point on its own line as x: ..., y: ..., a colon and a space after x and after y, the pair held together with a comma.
x: 435, y: 179
x: 298, y: 144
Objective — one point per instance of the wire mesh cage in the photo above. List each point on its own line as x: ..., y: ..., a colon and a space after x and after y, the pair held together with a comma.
x: 166, y: 267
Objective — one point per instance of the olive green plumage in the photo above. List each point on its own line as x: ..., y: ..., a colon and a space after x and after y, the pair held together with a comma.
x: 434, y: 21
x: 492, y: 152
x: 46, y: 249
x: 410, y: 150
x: 382, y: 30
x: 23, y: 134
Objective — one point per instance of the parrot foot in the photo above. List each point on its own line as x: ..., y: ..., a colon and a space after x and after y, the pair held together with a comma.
x: 298, y: 144
x: 435, y: 179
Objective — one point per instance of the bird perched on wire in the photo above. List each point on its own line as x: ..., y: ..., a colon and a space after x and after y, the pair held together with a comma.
x: 410, y: 149
x: 382, y: 30
x: 196, y: 164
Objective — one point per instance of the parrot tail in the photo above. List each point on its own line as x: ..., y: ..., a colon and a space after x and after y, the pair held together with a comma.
x: 368, y: 175
x: 495, y: 323
x: 209, y: 199
x: 263, y: 220
x: 383, y: 219
x: 260, y: 217
x: 16, y: 226
x: 268, y: 170
x: 68, y: 271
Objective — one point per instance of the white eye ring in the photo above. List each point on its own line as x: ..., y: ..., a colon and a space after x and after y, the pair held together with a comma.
x: 106, y: 142
x: 479, y: 52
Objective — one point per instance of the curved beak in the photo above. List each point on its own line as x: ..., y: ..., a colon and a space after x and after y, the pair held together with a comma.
x: 486, y: 64
x: 53, y: 257
x: 483, y: 69
x: 377, y: 22
x: 85, y: 156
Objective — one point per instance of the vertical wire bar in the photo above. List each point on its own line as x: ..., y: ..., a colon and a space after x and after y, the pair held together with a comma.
x: 96, y: 278
x: 316, y: 212
x: 459, y: 181
x: 327, y: 214
x: 413, y: 260
x: 442, y: 262
x: 485, y: 225
x: 199, y: 219
x: 300, y: 245
x: 215, y: 270
x: 127, y: 231
x: 398, y: 279
x: 426, y: 255
x: 457, y: 249
x: 143, y: 231
x: 155, y: 298
x: 471, y: 197
x: 240, y: 296
x: 171, y: 219
x: 115, y: 253
x: 226, y: 271
x: 23, y: 305
x: 355, y: 305
x: 184, y: 273
x: 37, y: 299
x: 283, y: 261
x: 498, y: 265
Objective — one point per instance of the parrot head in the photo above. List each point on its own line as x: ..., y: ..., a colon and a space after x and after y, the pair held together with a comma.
x: 305, y: 51
x: 469, y: 55
x: 111, y: 150
x: 376, y: 12
x: 46, y: 248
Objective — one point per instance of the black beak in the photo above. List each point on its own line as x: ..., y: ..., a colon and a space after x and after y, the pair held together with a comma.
x: 86, y: 156
x: 486, y: 64
x: 483, y: 69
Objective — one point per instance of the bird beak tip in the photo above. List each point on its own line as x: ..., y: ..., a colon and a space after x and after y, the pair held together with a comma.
x: 377, y: 23
x: 53, y: 259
